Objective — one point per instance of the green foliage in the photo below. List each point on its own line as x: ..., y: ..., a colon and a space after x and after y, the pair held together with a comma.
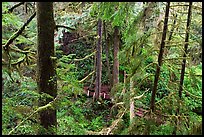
x: 96, y: 124
x: 19, y: 100
x: 67, y: 74
x: 165, y: 129
x: 69, y: 126
x: 193, y: 85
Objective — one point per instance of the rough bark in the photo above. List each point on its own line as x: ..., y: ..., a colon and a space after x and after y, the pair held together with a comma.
x: 107, y: 54
x: 115, y: 54
x: 152, y: 103
x: 98, y: 60
x: 47, y: 82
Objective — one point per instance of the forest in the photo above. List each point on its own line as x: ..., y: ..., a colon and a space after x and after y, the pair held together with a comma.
x: 101, y: 68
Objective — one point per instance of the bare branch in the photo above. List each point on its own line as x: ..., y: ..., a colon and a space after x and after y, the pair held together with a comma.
x: 13, y: 7
x: 85, y: 57
x: 86, y: 76
x: 62, y: 26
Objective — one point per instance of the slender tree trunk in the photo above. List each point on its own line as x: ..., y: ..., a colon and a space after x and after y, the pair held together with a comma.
x: 172, y: 29
x: 124, y: 81
x: 98, y: 60
x: 47, y: 82
x: 132, y: 107
x: 152, y: 103
x: 185, y: 50
x: 107, y: 54
x: 170, y: 36
x: 115, y: 54
x: 183, y: 64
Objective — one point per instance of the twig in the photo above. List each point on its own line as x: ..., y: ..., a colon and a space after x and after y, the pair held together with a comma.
x: 166, y: 59
x: 86, y: 77
x: 81, y: 38
x: 22, y: 51
x: 85, y: 57
x: 62, y: 26
x: 173, y: 93
x: 138, y: 97
x: 192, y: 94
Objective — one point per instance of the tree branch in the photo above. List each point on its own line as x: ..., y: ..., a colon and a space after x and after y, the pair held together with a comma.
x: 13, y: 7
x: 62, y: 26
x: 85, y: 57
x: 50, y: 105
x: 16, y: 34
x: 138, y: 97
x: 86, y: 77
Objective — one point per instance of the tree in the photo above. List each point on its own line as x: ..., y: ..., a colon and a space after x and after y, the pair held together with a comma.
x: 99, y: 60
x: 185, y: 50
x: 115, y: 54
x: 107, y: 46
x: 184, y: 62
x: 47, y: 83
x: 132, y: 104
x: 160, y: 57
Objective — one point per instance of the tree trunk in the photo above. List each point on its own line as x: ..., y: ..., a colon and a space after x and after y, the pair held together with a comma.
x: 132, y: 107
x: 47, y: 82
x: 166, y: 50
x: 172, y: 29
x: 107, y: 54
x: 115, y: 54
x: 183, y: 64
x: 185, y: 50
x: 152, y: 103
x: 98, y: 60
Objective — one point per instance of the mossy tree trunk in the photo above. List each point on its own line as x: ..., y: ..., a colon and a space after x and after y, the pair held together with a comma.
x: 98, y: 60
x: 183, y: 65
x: 107, y: 46
x: 132, y: 105
x: 156, y: 79
x: 115, y: 54
x: 47, y: 82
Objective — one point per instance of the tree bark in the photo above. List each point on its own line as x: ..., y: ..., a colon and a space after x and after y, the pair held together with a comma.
x: 183, y: 65
x: 107, y: 54
x: 132, y: 106
x: 185, y: 50
x: 47, y: 82
x: 152, y: 103
x: 98, y: 60
x: 115, y: 54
